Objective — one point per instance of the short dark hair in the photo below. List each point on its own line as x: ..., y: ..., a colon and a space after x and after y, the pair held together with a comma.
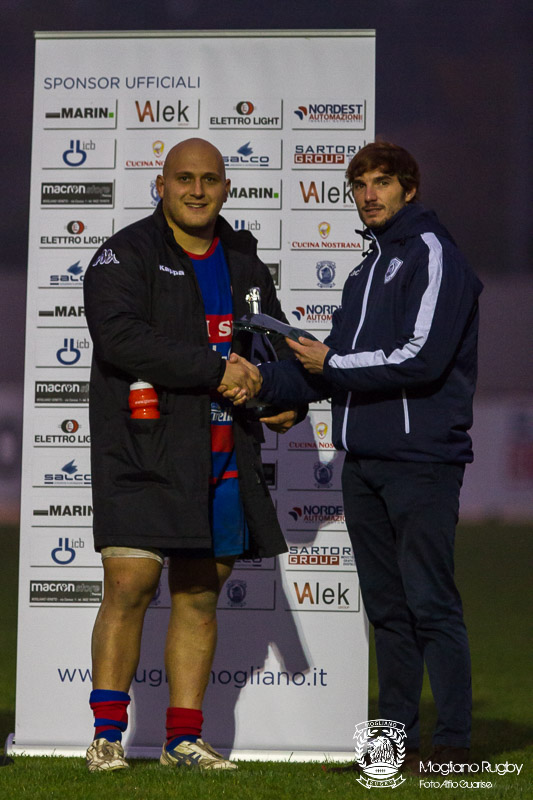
x: 392, y: 159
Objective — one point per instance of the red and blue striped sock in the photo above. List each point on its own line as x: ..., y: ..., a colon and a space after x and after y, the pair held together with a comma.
x: 110, y: 711
x: 183, y: 725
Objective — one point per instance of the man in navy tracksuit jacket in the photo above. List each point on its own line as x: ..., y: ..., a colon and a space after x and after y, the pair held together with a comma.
x: 400, y: 366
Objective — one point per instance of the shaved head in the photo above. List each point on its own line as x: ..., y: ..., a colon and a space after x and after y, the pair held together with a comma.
x: 193, y: 148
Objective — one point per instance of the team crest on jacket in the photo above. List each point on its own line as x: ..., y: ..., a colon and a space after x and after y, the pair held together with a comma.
x: 392, y: 269
x: 380, y: 751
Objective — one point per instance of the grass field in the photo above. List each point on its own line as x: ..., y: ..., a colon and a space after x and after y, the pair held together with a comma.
x: 494, y: 575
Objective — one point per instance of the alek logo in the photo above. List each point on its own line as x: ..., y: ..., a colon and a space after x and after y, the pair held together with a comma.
x: 325, y: 154
x: 317, y: 595
x: 106, y: 257
x: 69, y: 428
x: 64, y: 511
x: 321, y: 194
x: 89, y: 112
x: 65, y: 552
x: 318, y: 513
x: 331, y: 112
x: 159, y: 113
x: 70, y: 353
x: 320, y: 556
x: 64, y: 311
x: 72, y: 275
x: 69, y: 475
x: 76, y: 154
x: 315, y: 313
x: 247, y: 157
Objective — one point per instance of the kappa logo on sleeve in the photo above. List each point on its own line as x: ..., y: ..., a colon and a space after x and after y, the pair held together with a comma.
x: 106, y: 257
x: 162, y: 268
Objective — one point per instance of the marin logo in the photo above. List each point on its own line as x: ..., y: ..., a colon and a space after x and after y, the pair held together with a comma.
x: 380, y: 751
x: 392, y: 269
x: 325, y: 272
x: 106, y: 257
x: 236, y: 592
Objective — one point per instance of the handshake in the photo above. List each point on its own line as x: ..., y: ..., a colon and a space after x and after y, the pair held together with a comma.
x: 241, y: 380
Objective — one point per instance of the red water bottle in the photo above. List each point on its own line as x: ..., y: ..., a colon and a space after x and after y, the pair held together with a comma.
x: 143, y: 401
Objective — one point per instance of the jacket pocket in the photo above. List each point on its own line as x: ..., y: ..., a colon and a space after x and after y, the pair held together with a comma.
x: 141, y: 454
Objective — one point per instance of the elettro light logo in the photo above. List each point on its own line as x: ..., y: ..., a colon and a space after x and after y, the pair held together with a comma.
x: 380, y: 751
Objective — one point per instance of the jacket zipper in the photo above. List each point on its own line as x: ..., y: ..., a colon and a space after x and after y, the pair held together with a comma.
x: 407, y: 423
x: 361, y: 321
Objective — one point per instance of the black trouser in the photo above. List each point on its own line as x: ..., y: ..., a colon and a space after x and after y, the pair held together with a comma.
x: 401, y: 517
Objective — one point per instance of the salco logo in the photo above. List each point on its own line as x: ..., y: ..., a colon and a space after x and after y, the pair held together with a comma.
x: 325, y: 155
x: 72, y: 276
x: 323, y: 241
x: 155, y: 160
x: 70, y: 353
x: 317, y: 513
x: 247, y: 156
x: 320, y: 556
x: 60, y: 510
x: 315, y: 313
x: 77, y: 194
x: 336, y: 114
x: 62, y: 312
x: 67, y: 393
x: 68, y: 592
x: 65, y: 551
x: 249, y: 114
x: 69, y: 475
x: 69, y: 435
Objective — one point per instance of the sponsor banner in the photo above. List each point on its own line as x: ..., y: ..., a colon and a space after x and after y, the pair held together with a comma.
x: 147, y: 153
x: 60, y: 311
x: 319, y: 473
x: 327, y: 232
x: 329, y: 150
x: 51, y: 392
x: 313, y: 312
x: 54, y: 193
x: 56, y: 509
x: 67, y: 548
x: 326, y: 553
x: 324, y: 592
x: 65, y: 592
x: 145, y: 110
x: 311, y: 512
x: 311, y: 435
x: 61, y: 270
x: 347, y: 113
x: 324, y: 190
x: 80, y: 112
x: 78, y: 151
x: 311, y: 271
x: 265, y: 227
x: 62, y: 349
x: 87, y: 231
x: 254, y: 191
x: 61, y: 469
x: 268, y: 564
x: 59, y: 429
x: 245, y: 114
x: 255, y: 151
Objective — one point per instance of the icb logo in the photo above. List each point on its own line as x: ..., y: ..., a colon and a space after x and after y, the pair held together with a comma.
x: 68, y: 354
x: 323, y: 475
x: 325, y: 272
x: 380, y: 751
x: 236, y: 592
x: 154, y: 193
x: 75, y: 156
x: 63, y: 553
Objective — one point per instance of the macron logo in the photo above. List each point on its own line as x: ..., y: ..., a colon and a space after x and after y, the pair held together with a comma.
x: 162, y: 268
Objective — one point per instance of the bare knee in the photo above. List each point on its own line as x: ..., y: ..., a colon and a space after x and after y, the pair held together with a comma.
x: 130, y: 583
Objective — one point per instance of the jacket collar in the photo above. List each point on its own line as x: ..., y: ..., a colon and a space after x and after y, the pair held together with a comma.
x: 242, y: 241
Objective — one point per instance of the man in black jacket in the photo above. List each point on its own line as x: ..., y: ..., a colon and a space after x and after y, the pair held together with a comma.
x: 400, y: 366
x: 160, y: 298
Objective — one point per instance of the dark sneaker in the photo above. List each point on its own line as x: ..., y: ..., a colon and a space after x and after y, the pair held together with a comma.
x: 195, y: 755
x: 104, y: 756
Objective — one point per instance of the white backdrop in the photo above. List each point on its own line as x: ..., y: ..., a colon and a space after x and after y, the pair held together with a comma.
x: 287, y: 110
